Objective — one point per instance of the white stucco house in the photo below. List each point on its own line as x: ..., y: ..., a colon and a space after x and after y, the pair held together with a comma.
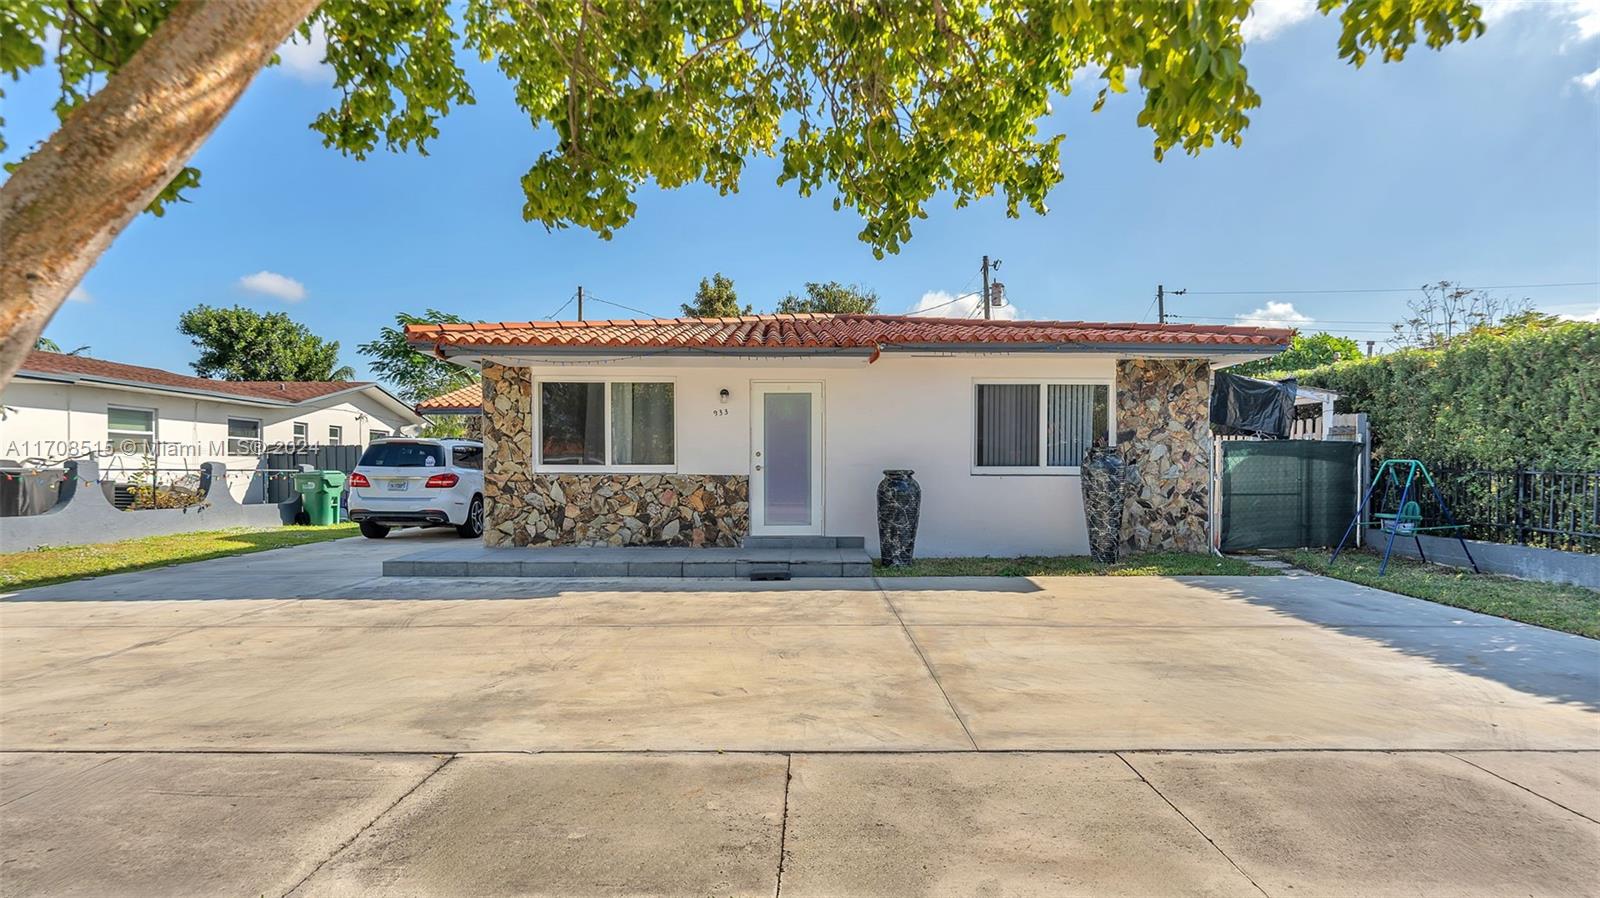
x: 700, y: 432
x: 129, y: 416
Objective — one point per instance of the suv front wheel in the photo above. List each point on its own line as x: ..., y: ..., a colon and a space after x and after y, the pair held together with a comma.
x: 373, y: 531
x: 472, y: 527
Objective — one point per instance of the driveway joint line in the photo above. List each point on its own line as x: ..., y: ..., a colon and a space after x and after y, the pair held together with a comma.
x: 1522, y: 787
x: 926, y: 664
x: 1191, y: 823
x: 415, y: 752
x: 339, y: 849
x: 783, y: 826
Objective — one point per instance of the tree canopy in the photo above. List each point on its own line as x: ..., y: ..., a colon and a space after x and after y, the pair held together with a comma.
x: 415, y: 375
x: 832, y: 297
x: 715, y: 298
x: 881, y: 106
x: 1304, y: 352
x: 885, y: 105
x: 243, y: 344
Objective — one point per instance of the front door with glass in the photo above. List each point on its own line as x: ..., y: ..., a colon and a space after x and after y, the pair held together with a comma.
x: 786, y: 462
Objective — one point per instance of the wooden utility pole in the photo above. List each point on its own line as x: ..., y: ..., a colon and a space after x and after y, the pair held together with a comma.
x: 986, y: 310
x: 1161, y: 301
x: 580, y: 302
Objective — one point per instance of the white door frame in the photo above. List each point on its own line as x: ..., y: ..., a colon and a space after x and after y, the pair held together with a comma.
x: 758, y: 392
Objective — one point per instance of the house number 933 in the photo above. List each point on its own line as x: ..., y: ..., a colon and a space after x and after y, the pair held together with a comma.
x: 719, y: 413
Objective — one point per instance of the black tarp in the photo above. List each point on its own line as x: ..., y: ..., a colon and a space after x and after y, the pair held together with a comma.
x: 1246, y: 406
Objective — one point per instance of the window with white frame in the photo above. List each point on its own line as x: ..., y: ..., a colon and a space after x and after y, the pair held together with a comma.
x: 1038, y: 426
x: 335, y: 435
x: 244, y: 436
x: 302, y: 433
x: 615, y: 424
x: 131, y: 430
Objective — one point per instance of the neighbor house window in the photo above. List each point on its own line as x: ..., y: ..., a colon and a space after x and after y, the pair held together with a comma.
x: 244, y: 436
x: 302, y: 433
x: 1038, y: 427
x: 131, y: 430
x: 377, y: 435
x: 607, y: 424
x: 335, y: 435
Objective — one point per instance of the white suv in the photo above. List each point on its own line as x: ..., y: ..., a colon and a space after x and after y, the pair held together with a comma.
x: 418, y: 483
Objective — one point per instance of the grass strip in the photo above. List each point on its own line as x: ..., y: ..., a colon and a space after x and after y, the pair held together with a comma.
x: 61, y: 564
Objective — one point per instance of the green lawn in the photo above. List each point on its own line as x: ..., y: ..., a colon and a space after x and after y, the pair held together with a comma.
x: 1554, y: 605
x: 1155, y: 564
x: 42, y: 567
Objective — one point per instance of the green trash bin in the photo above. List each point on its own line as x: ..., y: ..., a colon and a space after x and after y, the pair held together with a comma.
x: 319, y: 495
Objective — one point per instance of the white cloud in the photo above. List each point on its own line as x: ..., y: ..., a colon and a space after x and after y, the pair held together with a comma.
x: 1592, y: 316
x: 1269, y: 18
x: 79, y: 294
x: 274, y: 284
x: 1589, y: 80
x: 1274, y: 314
x: 939, y: 304
x: 302, y: 59
x: 1581, y: 16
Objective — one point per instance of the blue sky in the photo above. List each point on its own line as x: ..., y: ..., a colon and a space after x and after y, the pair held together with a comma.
x: 1479, y: 164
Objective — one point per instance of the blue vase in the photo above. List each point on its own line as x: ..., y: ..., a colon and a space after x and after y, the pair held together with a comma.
x: 899, y: 505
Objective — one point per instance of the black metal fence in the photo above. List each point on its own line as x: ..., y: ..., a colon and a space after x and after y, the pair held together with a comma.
x: 1553, y: 509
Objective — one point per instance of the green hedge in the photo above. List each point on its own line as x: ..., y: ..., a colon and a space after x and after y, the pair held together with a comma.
x: 1527, y: 398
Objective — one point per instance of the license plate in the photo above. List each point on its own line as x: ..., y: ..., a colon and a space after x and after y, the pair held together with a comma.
x: 397, y: 485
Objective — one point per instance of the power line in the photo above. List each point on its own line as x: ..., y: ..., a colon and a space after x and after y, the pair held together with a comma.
x: 561, y: 308
x: 1382, y: 290
x: 1317, y: 321
x: 943, y: 304
x: 592, y: 298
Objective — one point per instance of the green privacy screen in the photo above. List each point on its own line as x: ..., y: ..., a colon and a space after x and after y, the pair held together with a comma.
x: 1281, y: 494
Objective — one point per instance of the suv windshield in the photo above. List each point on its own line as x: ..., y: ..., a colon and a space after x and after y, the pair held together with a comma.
x: 403, y: 455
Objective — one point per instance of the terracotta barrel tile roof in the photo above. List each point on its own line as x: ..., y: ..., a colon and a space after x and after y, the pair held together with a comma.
x: 280, y: 391
x: 468, y: 397
x: 815, y: 331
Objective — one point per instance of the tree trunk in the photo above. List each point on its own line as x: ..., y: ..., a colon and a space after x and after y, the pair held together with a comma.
x: 63, y: 206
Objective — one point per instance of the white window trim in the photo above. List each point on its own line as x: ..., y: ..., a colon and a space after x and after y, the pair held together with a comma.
x: 300, y: 439
x: 1041, y: 469
x: 259, y: 438
x: 536, y: 401
x: 155, y: 426
x: 331, y: 429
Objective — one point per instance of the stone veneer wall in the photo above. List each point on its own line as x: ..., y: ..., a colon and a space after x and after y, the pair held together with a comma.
x: 1163, y: 428
x: 522, y: 508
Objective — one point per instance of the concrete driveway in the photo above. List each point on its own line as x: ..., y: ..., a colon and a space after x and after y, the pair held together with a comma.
x: 200, y: 730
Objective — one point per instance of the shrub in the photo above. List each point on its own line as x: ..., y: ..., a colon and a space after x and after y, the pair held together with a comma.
x: 1525, y: 398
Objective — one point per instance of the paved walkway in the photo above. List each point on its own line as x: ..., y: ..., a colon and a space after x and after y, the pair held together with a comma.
x: 1138, y: 736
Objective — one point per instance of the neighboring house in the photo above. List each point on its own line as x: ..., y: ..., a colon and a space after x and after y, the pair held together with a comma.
x: 61, y: 405
x: 466, y: 402
x: 701, y: 431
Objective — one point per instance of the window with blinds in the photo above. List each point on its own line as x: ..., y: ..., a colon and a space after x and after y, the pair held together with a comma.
x: 1038, y: 427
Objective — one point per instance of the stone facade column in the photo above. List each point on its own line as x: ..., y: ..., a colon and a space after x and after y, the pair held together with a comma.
x: 1163, y: 429
x: 507, y: 453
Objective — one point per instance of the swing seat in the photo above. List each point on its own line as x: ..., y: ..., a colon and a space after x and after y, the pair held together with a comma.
x: 1403, y: 524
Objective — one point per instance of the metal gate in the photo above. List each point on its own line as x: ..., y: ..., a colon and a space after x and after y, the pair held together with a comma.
x: 1283, y: 494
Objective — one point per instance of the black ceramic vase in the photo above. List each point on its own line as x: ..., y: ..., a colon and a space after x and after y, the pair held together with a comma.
x: 899, y: 504
x: 1104, y: 478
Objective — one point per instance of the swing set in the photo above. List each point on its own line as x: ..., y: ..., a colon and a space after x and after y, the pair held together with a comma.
x: 1406, y: 519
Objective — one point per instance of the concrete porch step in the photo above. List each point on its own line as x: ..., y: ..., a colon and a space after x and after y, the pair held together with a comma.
x: 805, y: 542
x: 630, y: 561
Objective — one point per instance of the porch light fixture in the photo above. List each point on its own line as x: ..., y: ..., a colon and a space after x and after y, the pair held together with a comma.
x: 723, y: 395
